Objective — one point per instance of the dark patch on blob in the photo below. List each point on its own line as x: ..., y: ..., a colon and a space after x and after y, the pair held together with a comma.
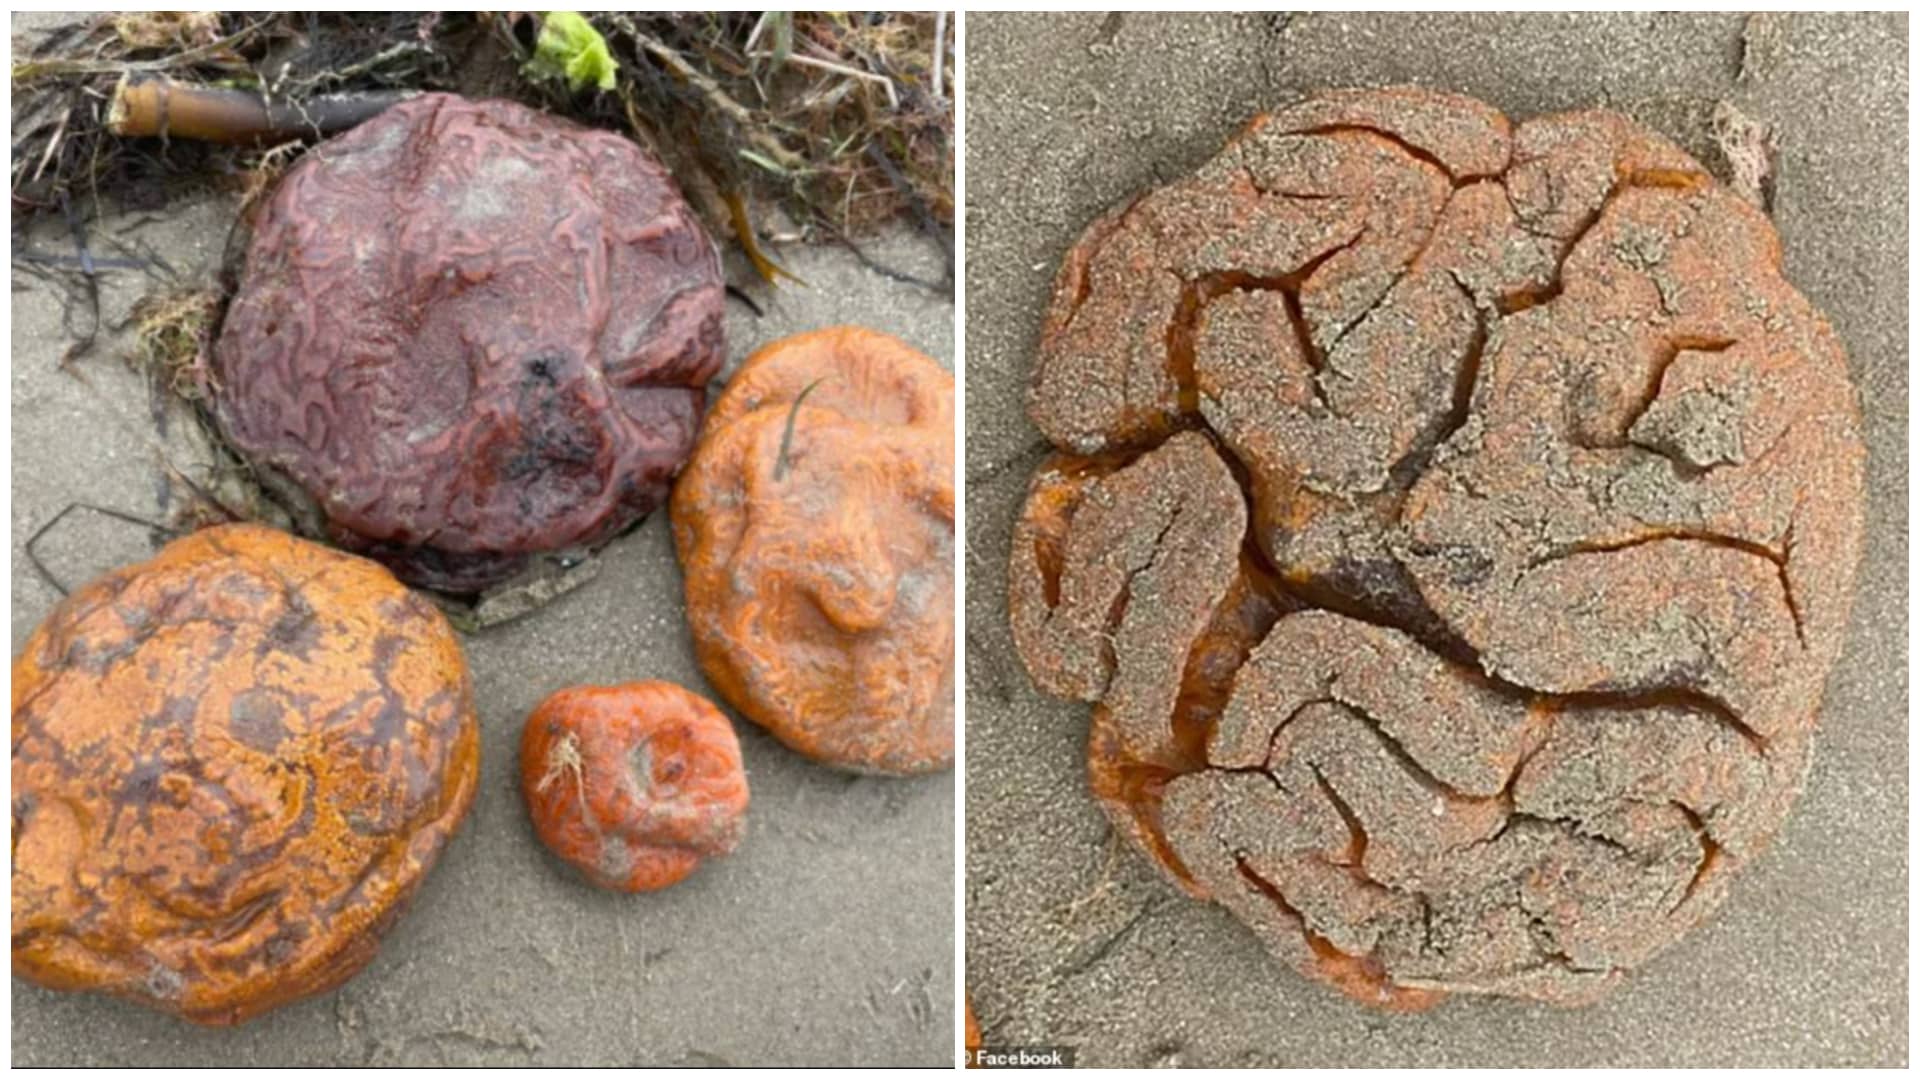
x: 175, y: 713
x: 1465, y: 567
x: 258, y: 719
x: 296, y: 632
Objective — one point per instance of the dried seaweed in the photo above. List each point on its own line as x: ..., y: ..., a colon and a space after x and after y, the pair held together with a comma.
x: 831, y: 124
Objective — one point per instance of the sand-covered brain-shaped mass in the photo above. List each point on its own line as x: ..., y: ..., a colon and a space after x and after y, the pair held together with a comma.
x: 1454, y: 524
x: 469, y: 333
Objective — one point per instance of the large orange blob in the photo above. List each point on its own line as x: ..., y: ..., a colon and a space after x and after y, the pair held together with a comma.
x: 232, y: 766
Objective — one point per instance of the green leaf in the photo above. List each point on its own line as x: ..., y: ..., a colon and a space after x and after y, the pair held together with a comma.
x: 570, y: 48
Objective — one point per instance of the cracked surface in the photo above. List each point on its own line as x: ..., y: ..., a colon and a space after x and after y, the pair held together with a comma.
x: 1454, y: 525
x: 633, y: 785
x: 815, y: 527
x: 471, y: 332
x: 232, y: 767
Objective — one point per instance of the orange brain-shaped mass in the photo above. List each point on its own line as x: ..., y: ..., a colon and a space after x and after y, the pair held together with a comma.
x: 815, y: 527
x: 1454, y: 527
x: 232, y: 766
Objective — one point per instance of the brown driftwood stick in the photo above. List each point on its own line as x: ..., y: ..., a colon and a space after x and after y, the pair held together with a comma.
x: 162, y: 107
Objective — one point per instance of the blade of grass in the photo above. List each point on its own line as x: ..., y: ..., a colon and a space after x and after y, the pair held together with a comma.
x: 782, y: 463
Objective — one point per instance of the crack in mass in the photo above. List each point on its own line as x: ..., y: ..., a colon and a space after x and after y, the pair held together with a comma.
x: 1200, y: 291
x: 1776, y: 559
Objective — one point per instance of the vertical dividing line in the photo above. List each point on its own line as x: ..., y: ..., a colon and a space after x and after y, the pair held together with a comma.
x: 959, y: 37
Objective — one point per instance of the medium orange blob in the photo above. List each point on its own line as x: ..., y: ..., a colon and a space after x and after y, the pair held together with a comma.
x: 815, y: 526
x: 232, y: 766
x: 633, y: 784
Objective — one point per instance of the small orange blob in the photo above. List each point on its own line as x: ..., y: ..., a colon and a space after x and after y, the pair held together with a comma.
x: 633, y: 784
x: 815, y: 525
x: 233, y: 765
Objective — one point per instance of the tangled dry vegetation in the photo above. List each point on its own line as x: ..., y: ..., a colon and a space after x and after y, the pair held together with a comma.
x: 792, y: 126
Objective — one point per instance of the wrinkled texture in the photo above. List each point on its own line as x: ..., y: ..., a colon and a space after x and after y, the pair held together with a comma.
x: 470, y: 332
x: 232, y: 767
x: 634, y: 785
x: 1512, y: 652
x: 816, y: 537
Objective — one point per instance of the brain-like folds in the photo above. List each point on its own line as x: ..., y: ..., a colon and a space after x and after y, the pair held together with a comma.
x: 468, y: 333
x: 1454, y: 524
